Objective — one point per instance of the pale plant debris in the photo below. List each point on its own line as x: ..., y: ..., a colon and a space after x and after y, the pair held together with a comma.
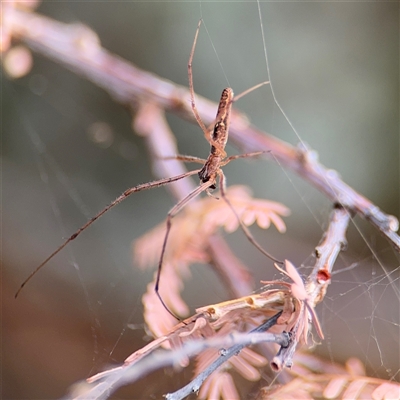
x: 195, y: 224
x: 220, y: 384
x: 220, y: 320
x: 333, y: 387
x: 227, y: 354
x: 299, y: 292
x: 245, y: 363
x: 319, y: 379
x: 103, y: 384
x: 184, y: 345
x: 188, y: 243
x: 234, y: 315
x: 296, y: 301
x: 306, y: 362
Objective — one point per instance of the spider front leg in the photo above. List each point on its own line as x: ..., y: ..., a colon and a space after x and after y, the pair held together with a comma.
x: 245, y: 155
x: 208, y: 132
x: 119, y: 199
x: 180, y: 157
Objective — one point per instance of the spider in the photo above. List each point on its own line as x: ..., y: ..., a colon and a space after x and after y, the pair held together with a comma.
x: 210, y: 172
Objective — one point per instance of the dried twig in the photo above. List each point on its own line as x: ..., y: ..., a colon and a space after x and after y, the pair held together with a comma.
x: 226, y: 354
x: 333, y: 241
x: 104, y: 384
x: 317, y: 282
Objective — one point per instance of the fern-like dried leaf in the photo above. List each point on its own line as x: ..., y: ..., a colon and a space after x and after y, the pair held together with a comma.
x: 219, y: 385
x: 316, y: 378
x: 333, y: 387
x: 220, y: 321
x: 191, y: 229
x: 188, y: 243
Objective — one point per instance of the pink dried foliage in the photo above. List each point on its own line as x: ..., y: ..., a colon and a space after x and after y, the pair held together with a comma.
x: 317, y: 378
x: 218, y: 320
x: 246, y: 363
x: 312, y: 376
x: 188, y: 243
x: 299, y: 292
x: 334, y: 387
x: 219, y: 385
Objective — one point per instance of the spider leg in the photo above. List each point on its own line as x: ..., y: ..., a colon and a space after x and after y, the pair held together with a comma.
x: 118, y: 200
x: 247, y: 233
x: 180, y: 157
x: 191, y: 87
x: 247, y: 91
x: 171, y: 214
x: 245, y: 155
x: 207, y: 131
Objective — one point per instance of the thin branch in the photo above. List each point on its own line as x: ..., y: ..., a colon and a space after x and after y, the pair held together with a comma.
x: 226, y: 354
x: 333, y: 241
x: 285, y: 354
x: 313, y: 292
x: 111, y: 380
x: 78, y: 48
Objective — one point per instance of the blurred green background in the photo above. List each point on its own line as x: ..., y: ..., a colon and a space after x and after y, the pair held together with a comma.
x: 335, y: 71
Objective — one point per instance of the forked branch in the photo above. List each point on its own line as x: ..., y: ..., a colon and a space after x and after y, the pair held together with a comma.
x: 332, y: 242
x: 139, y: 365
x: 225, y: 354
